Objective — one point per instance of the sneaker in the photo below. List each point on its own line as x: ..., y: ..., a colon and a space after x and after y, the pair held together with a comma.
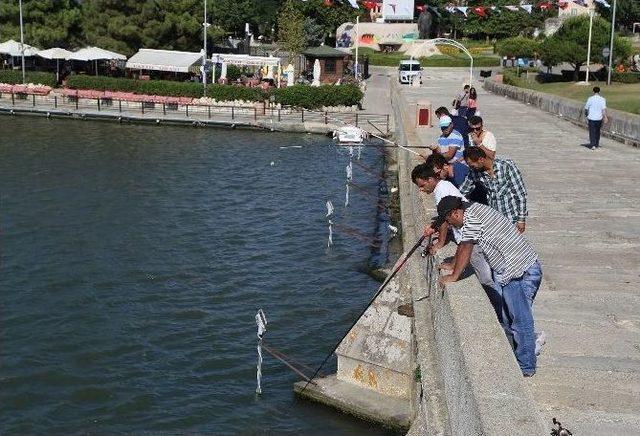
x: 592, y: 148
x: 541, y: 339
x: 529, y: 374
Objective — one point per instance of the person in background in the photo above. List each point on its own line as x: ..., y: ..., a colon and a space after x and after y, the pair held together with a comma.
x: 473, y: 102
x: 461, y: 102
x: 482, y: 138
x: 502, y: 181
x: 515, y: 265
x: 450, y: 142
x: 596, y: 112
x: 459, y: 123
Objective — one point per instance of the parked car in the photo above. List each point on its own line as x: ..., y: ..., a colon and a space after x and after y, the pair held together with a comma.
x: 408, y: 69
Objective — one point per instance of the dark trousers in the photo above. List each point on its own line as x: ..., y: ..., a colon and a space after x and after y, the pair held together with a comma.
x: 594, y: 133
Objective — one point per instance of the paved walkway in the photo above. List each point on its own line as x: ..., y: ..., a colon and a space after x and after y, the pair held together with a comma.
x: 584, y: 221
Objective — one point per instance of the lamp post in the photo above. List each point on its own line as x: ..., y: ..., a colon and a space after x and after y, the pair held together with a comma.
x: 355, y: 73
x: 613, y: 27
x: 22, y: 44
x: 591, y: 11
x: 204, y: 54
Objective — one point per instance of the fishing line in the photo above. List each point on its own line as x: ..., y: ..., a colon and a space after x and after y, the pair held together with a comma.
x: 399, y: 264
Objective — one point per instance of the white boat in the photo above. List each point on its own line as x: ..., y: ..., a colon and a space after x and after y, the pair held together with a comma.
x: 350, y: 135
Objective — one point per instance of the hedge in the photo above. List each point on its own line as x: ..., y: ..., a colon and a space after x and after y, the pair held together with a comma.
x: 625, y: 77
x: 14, y: 77
x: 298, y: 95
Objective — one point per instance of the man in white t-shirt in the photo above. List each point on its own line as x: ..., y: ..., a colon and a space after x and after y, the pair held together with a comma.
x: 596, y: 112
x: 426, y: 179
x: 481, y: 138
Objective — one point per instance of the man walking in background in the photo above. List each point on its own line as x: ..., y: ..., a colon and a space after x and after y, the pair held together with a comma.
x: 461, y: 102
x: 596, y: 112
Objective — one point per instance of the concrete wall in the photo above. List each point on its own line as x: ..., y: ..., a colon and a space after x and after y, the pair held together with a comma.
x: 622, y: 126
x: 471, y: 383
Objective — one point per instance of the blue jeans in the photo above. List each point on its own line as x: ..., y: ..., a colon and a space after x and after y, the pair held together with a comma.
x: 594, y: 133
x: 517, y: 316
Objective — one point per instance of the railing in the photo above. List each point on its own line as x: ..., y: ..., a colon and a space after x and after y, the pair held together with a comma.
x: 259, y: 112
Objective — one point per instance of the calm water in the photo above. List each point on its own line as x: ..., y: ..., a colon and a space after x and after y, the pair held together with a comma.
x: 134, y: 259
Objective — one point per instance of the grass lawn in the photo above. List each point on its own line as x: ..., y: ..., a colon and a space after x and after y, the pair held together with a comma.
x: 621, y: 96
x: 459, y: 60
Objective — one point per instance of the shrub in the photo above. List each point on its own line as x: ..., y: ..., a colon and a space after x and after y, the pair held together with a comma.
x: 625, y: 77
x: 310, y: 97
x: 14, y: 77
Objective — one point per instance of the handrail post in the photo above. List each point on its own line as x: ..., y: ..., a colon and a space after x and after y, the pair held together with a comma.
x: 164, y: 108
x: 55, y: 102
x: 303, y: 115
x: 98, y: 100
x: 119, y: 105
x: 77, y: 101
x: 187, y: 110
x: 209, y: 110
x: 233, y: 115
x: 325, y: 118
x: 356, y: 119
x: 142, y: 107
x: 279, y: 115
x: 34, y: 100
x: 255, y: 114
x: 387, y: 123
x: 13, y: 99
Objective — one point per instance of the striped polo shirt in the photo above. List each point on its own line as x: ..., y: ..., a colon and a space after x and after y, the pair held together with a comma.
x: 507, y: 251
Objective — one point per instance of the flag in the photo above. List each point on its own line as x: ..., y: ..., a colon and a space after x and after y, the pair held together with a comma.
x: 512, y: 8
x: 462, y: 9
x: 353, y: 4
x: 563, y: 5
x: 603, y: 3
x: 527, y: 8
x: 545, y: 6
x: 480, y: 11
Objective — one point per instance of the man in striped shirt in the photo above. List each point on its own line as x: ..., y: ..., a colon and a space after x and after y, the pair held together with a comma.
x: 503, y: 182
x: 515, y: 265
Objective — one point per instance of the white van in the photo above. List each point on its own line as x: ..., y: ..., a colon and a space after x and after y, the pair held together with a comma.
x: 408, y: 69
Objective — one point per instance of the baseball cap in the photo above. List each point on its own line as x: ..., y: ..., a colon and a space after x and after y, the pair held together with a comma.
x: 449, y: 203
x: 445, y: 121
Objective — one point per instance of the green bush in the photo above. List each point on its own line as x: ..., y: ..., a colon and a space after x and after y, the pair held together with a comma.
x: 310, y: 97
x: 14, y: 77
x: 518, y: 47
x: 625, y: 77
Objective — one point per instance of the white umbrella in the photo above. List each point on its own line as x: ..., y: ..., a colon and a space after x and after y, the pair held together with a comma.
x: 223, y: 71
x: 316, y: 73
x: 95, y: 54
x: 290, y: 75
x: 57, y: 54
x: 14, y: 48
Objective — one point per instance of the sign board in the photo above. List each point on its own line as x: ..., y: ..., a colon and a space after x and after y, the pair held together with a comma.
x: 606, y: 52
x: 397, y: 10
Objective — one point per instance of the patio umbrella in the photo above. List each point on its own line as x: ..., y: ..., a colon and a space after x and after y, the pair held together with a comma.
x: 290, y: 75
x: 14, y: 49
x: 316, y: 73
x: 223, y: 71
x: 95, y: 54
x: 57, y: 54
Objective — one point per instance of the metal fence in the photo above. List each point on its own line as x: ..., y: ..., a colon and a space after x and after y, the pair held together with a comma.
x: 249, y: 114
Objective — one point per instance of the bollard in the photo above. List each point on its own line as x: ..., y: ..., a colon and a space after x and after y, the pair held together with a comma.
x: 279, y: 118
x: 34, y: 100
x: 13, y: 99
x: 77, y: 100
x: 255, y: 114
x: 187, y: 110
x: 98, y: 101
x: 387, y: 123
x: 164, y: 109
x: 55, y: 102
x: 303, y: 115
x: 356, y: 120
x: 232, y: 112
x: 142, y: 107
x: 119, y: 105
x: 209, y: 110
x: 326, y: 121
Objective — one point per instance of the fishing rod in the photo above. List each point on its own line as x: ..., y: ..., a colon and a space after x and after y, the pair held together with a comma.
x: 324, y: 114
x: 399, y: 264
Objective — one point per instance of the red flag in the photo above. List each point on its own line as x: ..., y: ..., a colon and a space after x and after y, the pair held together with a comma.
x: 328, y: 3
x: 421, y: 8
x: 563, y: 5
x: 480, y: 11
x: 545, y: 6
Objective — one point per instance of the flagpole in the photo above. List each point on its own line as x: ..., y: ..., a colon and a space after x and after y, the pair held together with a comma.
x: 22, y: 45
x: 586, y: 79
x: 204, y: 55
x: 613, y: 27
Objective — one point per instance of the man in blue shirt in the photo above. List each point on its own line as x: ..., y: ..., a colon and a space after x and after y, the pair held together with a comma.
x: 596, y: 111
x: 450, y: 143
x: 459, y: 123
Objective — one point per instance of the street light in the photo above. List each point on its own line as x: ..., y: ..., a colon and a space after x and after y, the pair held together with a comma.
x: 613, y: 27
x: 22, y: 44
x: 204, y: 54
x: 456, y: 44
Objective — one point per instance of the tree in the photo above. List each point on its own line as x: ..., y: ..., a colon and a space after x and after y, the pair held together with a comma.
x: 569, y: 43
x: 46, y: 23
x: 627, y: 12
x: 314, y: 32
x: 291, y: 29
x: 518, y: 47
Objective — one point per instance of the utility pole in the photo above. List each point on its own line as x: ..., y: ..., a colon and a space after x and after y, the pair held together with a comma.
x: 22, y: 44
x: 204, y: 55
x: 613, y: 29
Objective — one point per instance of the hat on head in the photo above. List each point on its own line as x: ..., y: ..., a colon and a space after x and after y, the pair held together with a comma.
x: 449, y: 203
x: 445, y: 121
